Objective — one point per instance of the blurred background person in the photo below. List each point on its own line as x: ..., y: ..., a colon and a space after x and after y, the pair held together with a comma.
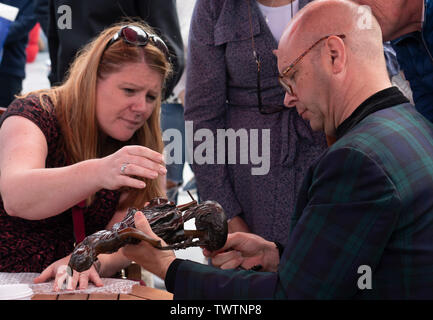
x: 73, y: 23
x: 32, y: 48
x: 408, y: 25
x: 13, y: 63
x: 395, y: 73
x: 7, y: 16
x: 172, y: 117
x: 42, y: 12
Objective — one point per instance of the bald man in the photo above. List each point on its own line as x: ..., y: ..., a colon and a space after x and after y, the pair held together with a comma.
x: 409, y: 24
x: 363, y: 224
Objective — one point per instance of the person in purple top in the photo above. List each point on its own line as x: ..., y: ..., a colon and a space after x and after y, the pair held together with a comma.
x: 226, y: 92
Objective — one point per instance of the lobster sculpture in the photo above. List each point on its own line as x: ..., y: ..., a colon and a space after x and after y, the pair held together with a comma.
x: 167, y: 221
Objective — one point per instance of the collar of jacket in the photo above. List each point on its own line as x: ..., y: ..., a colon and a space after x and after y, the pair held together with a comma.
x: 387, y: 98
x: 224, y: 31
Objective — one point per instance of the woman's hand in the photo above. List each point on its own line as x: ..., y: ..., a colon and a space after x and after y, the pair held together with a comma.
x: 122, y: 168
x: 245, y: 250
x: 58, y: 271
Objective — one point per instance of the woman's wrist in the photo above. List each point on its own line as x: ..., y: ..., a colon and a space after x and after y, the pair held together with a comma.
x: 92, y: 168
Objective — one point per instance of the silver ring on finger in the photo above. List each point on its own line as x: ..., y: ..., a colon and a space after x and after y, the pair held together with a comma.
x: 123, y: 168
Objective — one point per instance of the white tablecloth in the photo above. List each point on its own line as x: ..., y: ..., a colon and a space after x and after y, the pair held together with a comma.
x: 110, y: 285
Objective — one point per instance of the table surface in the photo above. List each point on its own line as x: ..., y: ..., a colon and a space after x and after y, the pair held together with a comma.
x: 138, y: 292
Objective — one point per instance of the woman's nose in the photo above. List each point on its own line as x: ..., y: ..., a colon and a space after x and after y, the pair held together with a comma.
x: 141, y: 104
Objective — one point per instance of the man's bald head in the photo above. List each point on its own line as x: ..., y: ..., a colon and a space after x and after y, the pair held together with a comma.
x: 331, y: 58
x: 332, y: 17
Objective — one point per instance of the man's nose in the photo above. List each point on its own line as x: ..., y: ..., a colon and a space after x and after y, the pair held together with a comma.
x: 289, y: 100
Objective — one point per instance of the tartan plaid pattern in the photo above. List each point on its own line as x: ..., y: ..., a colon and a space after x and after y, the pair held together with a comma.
x: 368, y: 200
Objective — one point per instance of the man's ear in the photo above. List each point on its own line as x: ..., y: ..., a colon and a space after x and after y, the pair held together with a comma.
x: 336, y: 53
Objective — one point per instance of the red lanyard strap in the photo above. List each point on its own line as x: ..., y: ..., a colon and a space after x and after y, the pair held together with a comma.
x: 78, y: 220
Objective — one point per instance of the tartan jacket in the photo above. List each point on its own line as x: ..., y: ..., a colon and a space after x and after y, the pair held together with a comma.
x: 367, y: 201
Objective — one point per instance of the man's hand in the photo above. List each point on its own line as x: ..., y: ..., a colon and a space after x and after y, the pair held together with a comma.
x: 152, y: 259
x: 237, y: 224
x: 246, y: 250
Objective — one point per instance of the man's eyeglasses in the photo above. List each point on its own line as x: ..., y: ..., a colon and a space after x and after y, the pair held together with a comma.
x: 138, y: 37
x: 287, y: 86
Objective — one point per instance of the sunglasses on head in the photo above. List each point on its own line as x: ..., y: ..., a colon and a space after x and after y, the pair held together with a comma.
x: 138, y: 37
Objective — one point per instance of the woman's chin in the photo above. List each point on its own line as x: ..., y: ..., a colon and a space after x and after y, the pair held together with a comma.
x: 122, y: 136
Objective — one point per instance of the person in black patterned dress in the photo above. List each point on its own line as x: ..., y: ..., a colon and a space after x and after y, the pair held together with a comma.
x: 73, y: 158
